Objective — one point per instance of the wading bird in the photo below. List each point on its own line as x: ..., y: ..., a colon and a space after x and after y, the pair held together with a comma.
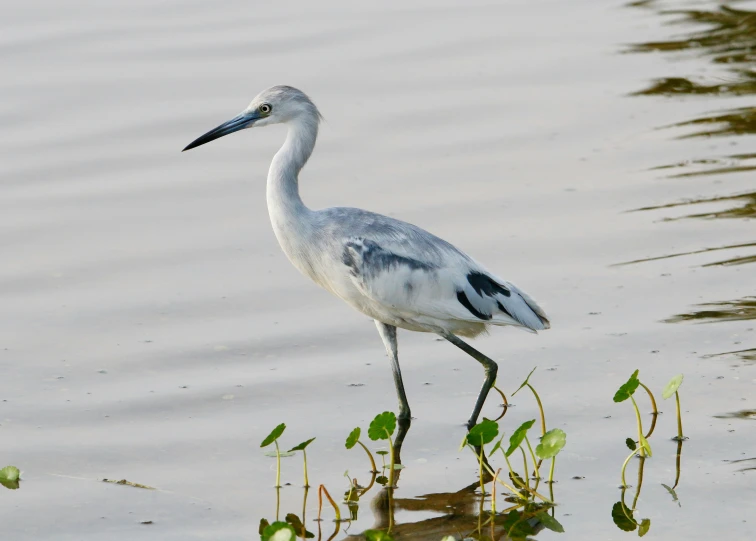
x: 392, y: 271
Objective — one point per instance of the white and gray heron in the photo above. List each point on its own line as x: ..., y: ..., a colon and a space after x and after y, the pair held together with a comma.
x: 392, y: 271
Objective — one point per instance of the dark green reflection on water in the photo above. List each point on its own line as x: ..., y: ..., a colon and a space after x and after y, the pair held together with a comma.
x: 737, y: 310
x: 722, y: 38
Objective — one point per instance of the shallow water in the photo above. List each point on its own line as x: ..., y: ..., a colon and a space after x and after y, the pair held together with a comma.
x: 151, y: 329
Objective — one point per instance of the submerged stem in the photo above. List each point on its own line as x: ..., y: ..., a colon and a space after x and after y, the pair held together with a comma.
x: 321, y: 490
x: 480, y: 472
x: 391, y: 462
x: 493, y: 492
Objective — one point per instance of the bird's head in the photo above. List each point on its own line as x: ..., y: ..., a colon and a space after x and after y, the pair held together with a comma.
x: 276, y: 105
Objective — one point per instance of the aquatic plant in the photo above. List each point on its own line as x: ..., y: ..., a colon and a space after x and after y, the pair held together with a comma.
x: 273, y: 438
x: 10, y: 477
x: 643, y: 448
x: 527, y: 384
x: 672, y: 389
x: 551, y: 443
x: 322, y: 490
x: 278, y: 531
x: 482, y: 434
x: 382, y: 428
x: 302, y: 447
x: 353, y: 439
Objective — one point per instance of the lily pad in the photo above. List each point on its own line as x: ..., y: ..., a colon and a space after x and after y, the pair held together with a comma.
x: 382, y: 426
x: 672, y: 386
x: 518, y: 436
x: 627, y: 389
x: 273, y: 436
x: 9, y: 477
x: 482, y: 433
x: 645, y: 525
x: 551, y: 443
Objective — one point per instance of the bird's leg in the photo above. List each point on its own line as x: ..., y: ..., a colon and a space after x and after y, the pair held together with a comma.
x: 490, y: 367
x: 404, y: 419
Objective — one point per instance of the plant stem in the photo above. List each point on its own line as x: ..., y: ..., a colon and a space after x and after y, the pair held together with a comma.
x: 278, y: 465
x: 391, y: 462
x: 278, y: 501
x: 624, y: 465
x: 640, y: 482
x: 640, y: 428
x: 480, y: 472
x: 515, y: 491
x: 370, y: 456
x: 321, y: 490
x: 677, y: 463
x: 551, y: 470
x: 540, y: 408
x: 679, y: 417
x: 655, y: 413
x: 304, y: 511
x: 493, y: 490
x: 532, y: 455
x: 306, y: 480
x: 525, y: 465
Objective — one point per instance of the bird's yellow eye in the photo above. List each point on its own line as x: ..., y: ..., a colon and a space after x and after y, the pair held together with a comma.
x: 265, y: 108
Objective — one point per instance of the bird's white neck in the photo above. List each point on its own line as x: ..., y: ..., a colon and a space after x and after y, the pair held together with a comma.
x: 288, y: 214
x: 283, y: 176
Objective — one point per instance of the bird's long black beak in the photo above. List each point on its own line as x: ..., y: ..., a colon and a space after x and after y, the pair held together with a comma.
x: 244, y: 120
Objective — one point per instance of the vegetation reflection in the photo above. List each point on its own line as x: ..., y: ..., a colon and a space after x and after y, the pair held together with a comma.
x: 726, y: 37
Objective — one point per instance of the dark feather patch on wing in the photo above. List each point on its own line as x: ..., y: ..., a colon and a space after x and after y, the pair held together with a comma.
x: 464, y: 301
x: 484, y: 284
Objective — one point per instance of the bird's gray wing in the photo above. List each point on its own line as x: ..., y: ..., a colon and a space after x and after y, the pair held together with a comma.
x: 412, y: 272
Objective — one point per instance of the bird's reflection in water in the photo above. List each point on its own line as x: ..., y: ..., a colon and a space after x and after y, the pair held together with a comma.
x: 459, y: 514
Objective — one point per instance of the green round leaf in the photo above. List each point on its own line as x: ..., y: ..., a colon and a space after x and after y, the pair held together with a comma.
x: 518, y: 436
x: 645, y: 525
x: 482, y: 433
x: 382, y: 426
x: 672, y: 386
x: 274, y: 435
x: 381, y: 480
x: 384, y: 453
x: 551, y: 443
x: 630, y: 442
x: 279, y: 531
x: 302, y: 446
x: 10, y: 473
x: 627, y: 389
x: 524, y: 383
x: 621, y: 516
x: 352, y: 438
